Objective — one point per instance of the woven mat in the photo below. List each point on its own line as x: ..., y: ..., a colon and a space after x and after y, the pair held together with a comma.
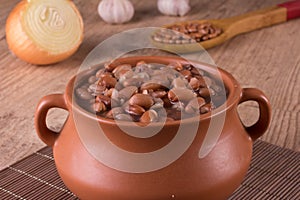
x: 274, y: 174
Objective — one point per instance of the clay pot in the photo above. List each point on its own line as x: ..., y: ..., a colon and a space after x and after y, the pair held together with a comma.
x: 193, y: 159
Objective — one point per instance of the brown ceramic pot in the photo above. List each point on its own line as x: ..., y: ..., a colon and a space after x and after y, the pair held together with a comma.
x: 191, y: 175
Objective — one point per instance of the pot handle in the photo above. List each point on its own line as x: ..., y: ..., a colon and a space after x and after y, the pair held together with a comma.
x: 263, y: 122
x: 47, y: 102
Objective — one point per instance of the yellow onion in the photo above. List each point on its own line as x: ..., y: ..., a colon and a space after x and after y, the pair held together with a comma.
x: 44, y: 31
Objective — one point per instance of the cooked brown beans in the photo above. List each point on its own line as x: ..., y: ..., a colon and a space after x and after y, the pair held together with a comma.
x: 187, y: 33
x: 150, y: 92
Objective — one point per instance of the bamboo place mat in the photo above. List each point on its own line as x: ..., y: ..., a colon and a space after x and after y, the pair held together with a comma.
x: 274, y: 174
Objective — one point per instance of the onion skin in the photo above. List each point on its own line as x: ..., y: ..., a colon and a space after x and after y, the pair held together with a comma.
x: 24, y: 48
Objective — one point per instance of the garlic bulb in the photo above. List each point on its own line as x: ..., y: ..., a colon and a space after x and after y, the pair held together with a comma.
x: 116, y: 11
x: 173, y: 7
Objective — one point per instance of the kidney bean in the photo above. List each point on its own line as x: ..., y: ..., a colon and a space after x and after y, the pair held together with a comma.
x: 127, y: 75
x: 180, y: 94
x: 121, y: 70
x: 143, y: 68
x: 167, y: 102
x: 109, y: 67
x: 133, y: 82
x: 105, y: 99
x: 195, y: 84
x: 140, y: 63
x: 115, y: 103
x: 109, y: 92
x: 177, y: 66
x: 142, y: 100
x: 159, y: 94
x: 188, y: 67
x: 145, y: 92
x: 96, y: 89
x: 121, y: 67
x: 99, y: 107
x: 158, y: 103
x: 92, y: 79
x: 127, y: 92
x: 100, y: 72
x: 142, y: 75
x: 151, y: 86
x: 204, y: 92
x: 196, y: 71
x: 201, y: 81
x: 205, y: 108
x: 212, y: 92
x: 107, y: 81
x: 149, y: 116
x: 162, y: 80
x: 186, y: 74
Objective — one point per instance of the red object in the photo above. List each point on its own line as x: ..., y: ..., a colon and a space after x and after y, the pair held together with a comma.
x: 293, y: 9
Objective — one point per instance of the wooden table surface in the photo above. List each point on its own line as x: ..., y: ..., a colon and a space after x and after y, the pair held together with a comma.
x: 268, y: 59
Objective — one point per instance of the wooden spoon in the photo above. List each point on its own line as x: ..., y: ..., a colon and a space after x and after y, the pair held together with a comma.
x: 237, y: 25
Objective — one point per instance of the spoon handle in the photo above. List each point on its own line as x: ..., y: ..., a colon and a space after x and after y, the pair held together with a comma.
x: 292, y: 9
x: 261, y: 18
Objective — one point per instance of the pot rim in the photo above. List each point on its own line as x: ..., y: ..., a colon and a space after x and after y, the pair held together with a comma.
x: 233, y: 87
